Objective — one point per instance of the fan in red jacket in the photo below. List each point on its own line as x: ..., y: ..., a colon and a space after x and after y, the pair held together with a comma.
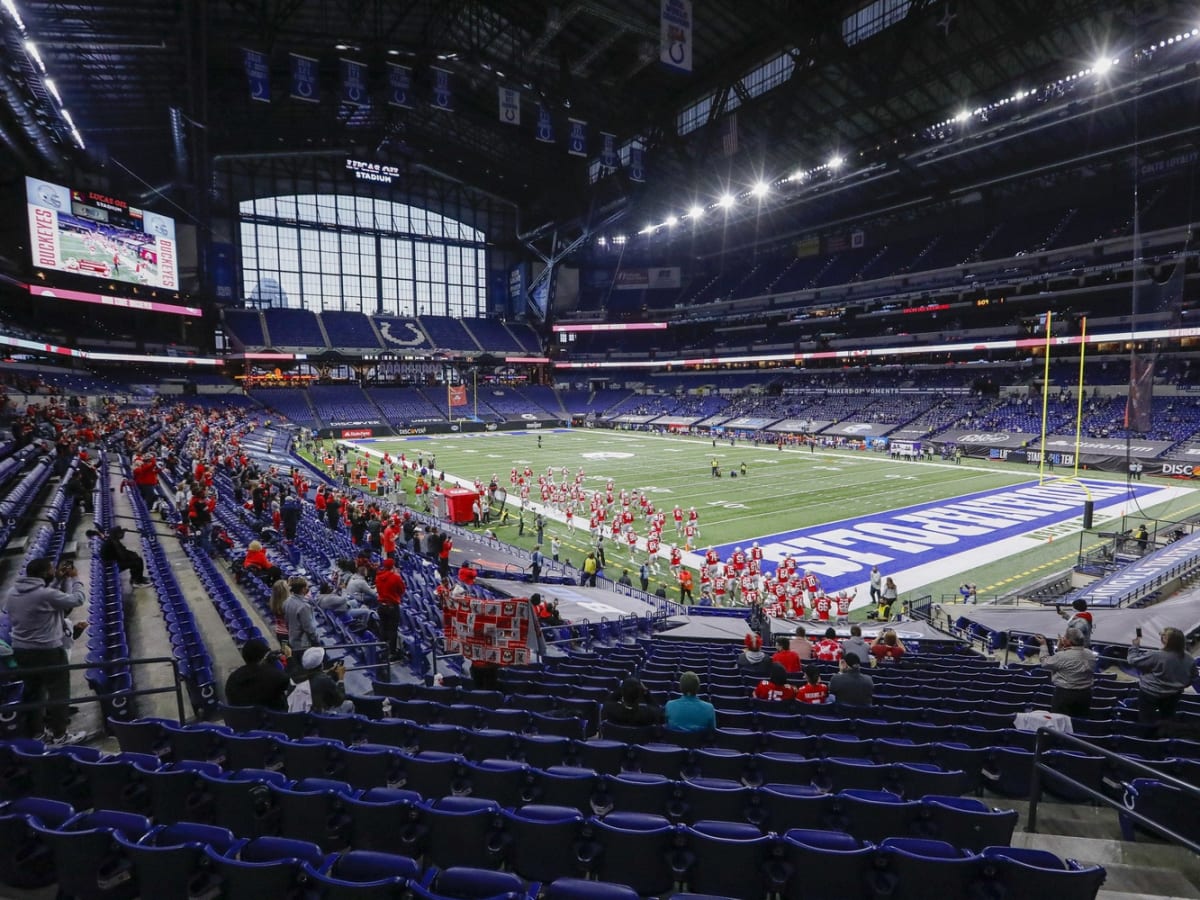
x: 390, y: 587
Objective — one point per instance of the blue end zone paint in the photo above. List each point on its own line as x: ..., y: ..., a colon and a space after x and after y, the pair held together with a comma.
x: 841, y: 553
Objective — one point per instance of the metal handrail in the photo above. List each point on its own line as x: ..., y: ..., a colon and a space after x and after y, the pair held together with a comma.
x: 176, y: 689
x: 1046, y: 735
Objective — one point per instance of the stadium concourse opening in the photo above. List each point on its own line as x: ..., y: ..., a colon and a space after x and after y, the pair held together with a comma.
x: 780, y: 485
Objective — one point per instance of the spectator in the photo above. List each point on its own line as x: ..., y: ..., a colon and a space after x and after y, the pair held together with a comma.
x: 1072, y: 671
x: 812, y: 691
x: 38, y: 604
x: 535, y: 565
x: 590, y: 567
x: 260, y: 682
x: 801, y: 645
x: 889, y: 646
x: 319, y: 688
x: 1079, y: 619
x: 828, y: 649
x: 279, y: 595
x: 391, y: 589
x: 752, y: 660
x: 358, y: 588
x: 644, y: 577
x: 289, y: 515
x: 689, y: 712
x: 851, y: 685
x: 856, y: 645
x: 785, y: 656
x: 256, y: 561
x: 876, y: 584
x: 113, y: 551
x: 775, y: 686
x: 887, y: 599
x: 298, y: 613
x: 625, y: 579
x: 1166, y: 673
x: 467, y: 574
x: 632, y: 706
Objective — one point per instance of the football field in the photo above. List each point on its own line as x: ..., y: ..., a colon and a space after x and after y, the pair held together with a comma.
x: 931, y: 525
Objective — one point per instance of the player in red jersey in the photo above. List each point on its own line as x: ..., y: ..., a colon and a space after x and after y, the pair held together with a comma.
x: 843, y: 601
x: 821, y: 605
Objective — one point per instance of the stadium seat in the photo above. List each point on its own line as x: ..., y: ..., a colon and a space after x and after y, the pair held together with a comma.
x: 464, y: 883
x: 826, y: 865
x: 913, y: 868
x: 87, y: 859
x: 1026, y: 872
x: 542, y: 843
x: 364, y: 875
x: 170, y: 861
x: 788, y: 806
x: 875, y: 815
x: 382, y: 819
x: 459, y: 831
x: 581, y: 889
x: 636, y: 792
x: 633, y: 849
x: 729, y: 859
x: 25, y: 859
x: 966, y: 822
x: 314, y: 810
x: 264, y: 867
x: 718, y: 799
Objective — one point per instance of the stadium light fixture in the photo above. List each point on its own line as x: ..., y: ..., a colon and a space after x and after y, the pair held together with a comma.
x: 11, y: 9
x: 962, y: 115
x: 726, y: 201
x: 836, y: 162
x: 672, y: 221
x: 760, y: 189
x: 696, y: 211
x: 32, y: 50
x: 53, y: 89
x: 1102, y: 65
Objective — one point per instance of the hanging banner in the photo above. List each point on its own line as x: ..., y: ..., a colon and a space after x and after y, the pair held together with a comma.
x: 258, y: 75
x: 354, y: 82
x: 442, y: 98
x: 637, y: 164
x: 675, y: 48
x: 545, y: 126
x: 399, y: 86
x: 608, y: 151
x: 510, y: 106
x: 577, y: 137
x: 304, y: 78
x: 456, y: 395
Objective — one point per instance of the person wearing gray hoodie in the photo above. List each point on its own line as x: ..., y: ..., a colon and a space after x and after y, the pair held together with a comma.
x: 37, y: 607
x: 1166, y: 673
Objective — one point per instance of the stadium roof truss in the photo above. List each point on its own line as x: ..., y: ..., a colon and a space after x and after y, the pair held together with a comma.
x: 157, y: 87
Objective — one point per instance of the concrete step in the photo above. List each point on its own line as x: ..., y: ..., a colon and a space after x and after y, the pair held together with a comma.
x: 1138, y: 867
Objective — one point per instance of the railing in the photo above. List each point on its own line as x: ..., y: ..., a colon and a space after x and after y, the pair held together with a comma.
x: 921, y: 609
x: 176, y: 687
x: 1046, y: 736
x: 381, y: 648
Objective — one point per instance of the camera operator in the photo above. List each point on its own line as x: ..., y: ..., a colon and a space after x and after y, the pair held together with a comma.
x: 261, y: 681
x: 37, y: 607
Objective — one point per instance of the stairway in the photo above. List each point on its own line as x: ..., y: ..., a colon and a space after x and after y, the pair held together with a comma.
x: 1089, y: 834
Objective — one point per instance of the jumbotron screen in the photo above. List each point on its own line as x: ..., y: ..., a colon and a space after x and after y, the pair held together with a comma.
x: 88, y: 233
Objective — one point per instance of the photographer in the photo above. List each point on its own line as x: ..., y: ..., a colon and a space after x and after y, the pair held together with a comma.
x: 318, y: 685
x: 1166, y: 673
x: 37, y: 607
x: 1072, y: 671
x: 260, y: 682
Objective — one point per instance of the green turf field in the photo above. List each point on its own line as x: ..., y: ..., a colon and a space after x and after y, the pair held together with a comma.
x: 73, y: 245
x: 783, y: 490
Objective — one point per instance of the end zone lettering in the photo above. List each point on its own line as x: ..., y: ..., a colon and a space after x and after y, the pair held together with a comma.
x: 350, y: 433
x: 1179, y: 470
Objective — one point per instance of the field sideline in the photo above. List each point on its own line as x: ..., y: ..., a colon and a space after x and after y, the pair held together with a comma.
x: 782, y: 492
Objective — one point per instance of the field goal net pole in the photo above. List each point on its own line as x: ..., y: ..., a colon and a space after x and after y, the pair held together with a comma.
x: 1079, y: 390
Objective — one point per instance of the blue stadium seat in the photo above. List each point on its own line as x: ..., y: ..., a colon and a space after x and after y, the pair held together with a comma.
x: 88, y: 860
x: 314, y: 810
x: 381, y: 819
x: 633, y: 849
x: 875, y: 815
x: 25, y: 859
x: 542, y: 843
x: 264, y: 867
x: 790, y: 806
x: 364, y: 875
x: 966, y: 822
x: 581, y: 889
x: 1024, y: 872
x: 827, y: 865
x: 719, y: 800
x: 505, y: 781
x: 914, y: 868
x: 636, y: 792
x: 464, y: 883
x: 460, y: 831
x: 170, y: 860
x: 730, y: 859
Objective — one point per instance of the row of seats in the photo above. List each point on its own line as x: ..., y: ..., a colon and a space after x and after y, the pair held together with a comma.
x: 116, y: 855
